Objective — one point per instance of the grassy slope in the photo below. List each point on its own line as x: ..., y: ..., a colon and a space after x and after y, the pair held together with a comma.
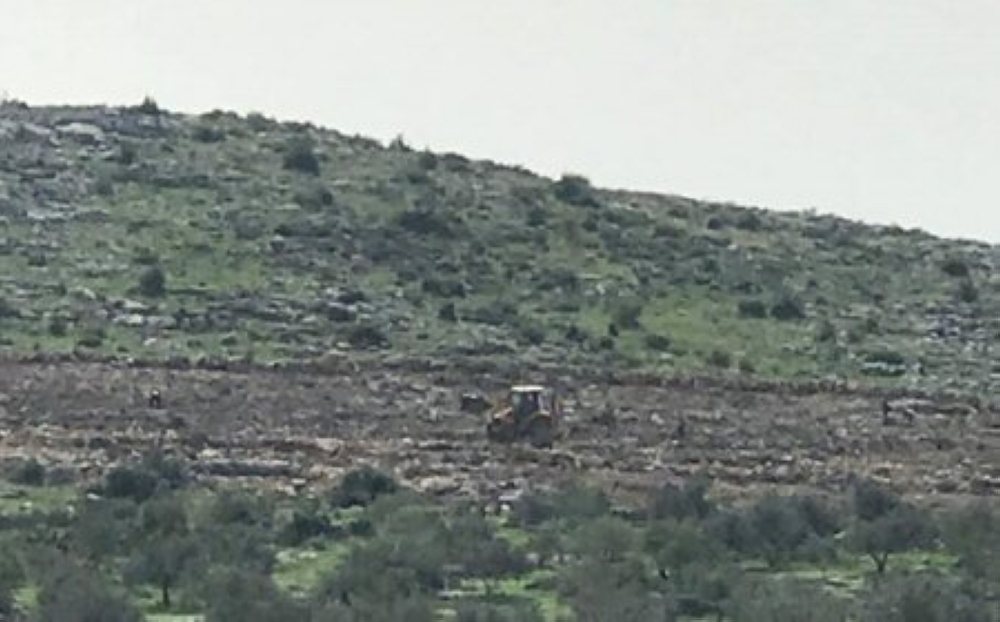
x: 258, y: 256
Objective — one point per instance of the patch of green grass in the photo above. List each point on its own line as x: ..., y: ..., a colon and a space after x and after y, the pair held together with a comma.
x: 699, y: 324
x: 148, y: 600
x: 301, y: 570
x: 548, y: 601
x: 848, y: 574
x: 379, y: 279
x: 26, y: 597
x: 519, y: 538
x: 15, y: 499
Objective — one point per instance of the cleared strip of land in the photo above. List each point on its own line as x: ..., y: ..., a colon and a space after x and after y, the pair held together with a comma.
x: 301, y: 430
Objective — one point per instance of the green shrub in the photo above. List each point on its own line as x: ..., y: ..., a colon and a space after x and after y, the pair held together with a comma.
x: 537, y: 216
x: 427, y: 160
x: 148, y: 106
x: 73, y: 594
x: 884, y: 524
x: 572, y: 502
x: 257, y: 122
x: 658, y: 343
x: 8, y: 310
x: 575, y: 334
x: 676, y: 544
x: 608, y: 538
x: 366, y: 335
x: 240, y: 595
x: 596, y: 589
x: 232, y: 507
x: 128, y: 153
x: 125, y: 482
x: 7, y: 600
x: 886, y: 357
x: 626, y: 315
x: 362, y: 486
x: 29, y: 473
x: 443, y: 287
x: 755, y: 309
x: 749, y: 221
x: 785, y: 600
x: 561, y: 277
x: 973, y: 533
x: 141, y: 481
x: 313, y: 197
x: 395, y: 574
x: 689, y: 500
x: 205, y: 132
x: 57, y: 327
x: 955, y: 267
x: 145, y: 256
x: 447, y: 313
x: 787, y: 308
x: 497, y: 313
x: 519, y: 610
x: 304, y: 526
x: 299, y: 157
x: 427, y: 222
x: 720, y: 359
x: 153, y: 282
x: 923, y: 598
x: 779, y: 529
x: 92, y: 337
x: 967, y: 291
x: 531, y: 334
x: 575, y: 190
x: 826, y: 332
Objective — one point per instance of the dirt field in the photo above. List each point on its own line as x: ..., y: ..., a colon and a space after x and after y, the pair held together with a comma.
x: 300, y: 431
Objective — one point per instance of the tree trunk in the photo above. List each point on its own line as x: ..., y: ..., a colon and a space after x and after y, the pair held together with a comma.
x: 881, y: 560
x: 489, y: 588
x: 165, y: 594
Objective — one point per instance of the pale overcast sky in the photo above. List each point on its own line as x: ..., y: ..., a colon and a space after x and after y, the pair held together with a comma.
x: 883, y: 110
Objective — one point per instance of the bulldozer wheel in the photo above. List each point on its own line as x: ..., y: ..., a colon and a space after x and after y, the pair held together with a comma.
x: 540, y: 433
x: 500, y: 431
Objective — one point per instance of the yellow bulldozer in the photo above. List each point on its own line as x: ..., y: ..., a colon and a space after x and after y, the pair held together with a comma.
x: 527, y: 412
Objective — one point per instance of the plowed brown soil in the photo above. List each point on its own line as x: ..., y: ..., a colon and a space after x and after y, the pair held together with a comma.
x: 301, y: 430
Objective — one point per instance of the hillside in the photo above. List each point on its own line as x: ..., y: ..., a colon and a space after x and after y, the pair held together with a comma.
x: 140, y: 232
x: 136, y: 242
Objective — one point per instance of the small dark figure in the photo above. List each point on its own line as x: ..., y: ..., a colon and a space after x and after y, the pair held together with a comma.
x: 680, y: 431
x: 607, y: 417
x: 886, y: 413
x: 155, y: 399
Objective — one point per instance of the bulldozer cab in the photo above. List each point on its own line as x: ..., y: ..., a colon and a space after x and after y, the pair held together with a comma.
x: 526, y: 400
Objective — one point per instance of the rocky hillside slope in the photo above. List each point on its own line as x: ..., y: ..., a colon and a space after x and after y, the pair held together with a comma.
x: 148, y: 233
